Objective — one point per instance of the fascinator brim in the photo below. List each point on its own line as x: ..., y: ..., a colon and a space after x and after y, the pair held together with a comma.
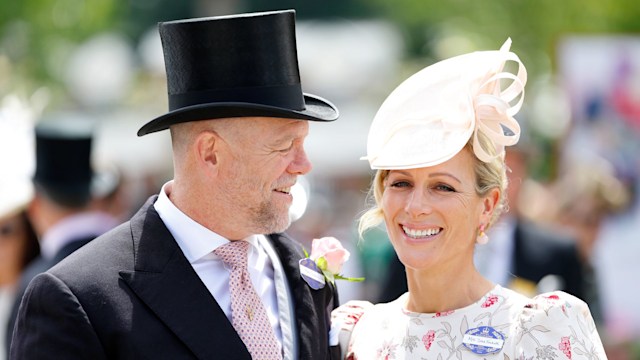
x: 432, y: 115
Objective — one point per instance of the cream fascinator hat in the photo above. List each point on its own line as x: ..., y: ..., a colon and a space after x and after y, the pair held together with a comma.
x: 432, y: 115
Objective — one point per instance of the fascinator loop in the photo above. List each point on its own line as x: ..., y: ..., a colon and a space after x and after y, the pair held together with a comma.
x: 431, y: 116
x: 494, y: 114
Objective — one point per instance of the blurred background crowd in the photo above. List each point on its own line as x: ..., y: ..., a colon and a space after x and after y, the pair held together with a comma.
x: 574, y: 174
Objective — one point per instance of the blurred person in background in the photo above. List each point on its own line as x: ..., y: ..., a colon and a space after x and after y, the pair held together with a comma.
x: 203, y: 270
x: 18, y: 246
x: 110, y: 192
x: 587, y: 193
x: 437, y: 143
x: 525, y: 254
x: 65, y: 184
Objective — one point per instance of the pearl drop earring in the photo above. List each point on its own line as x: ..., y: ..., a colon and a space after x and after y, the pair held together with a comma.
x: 482, y: 238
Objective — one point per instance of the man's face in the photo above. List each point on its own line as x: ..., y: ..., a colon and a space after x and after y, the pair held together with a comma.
x: 261, y: 159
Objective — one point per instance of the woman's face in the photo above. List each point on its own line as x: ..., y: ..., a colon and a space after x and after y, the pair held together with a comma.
x: 433, y: 214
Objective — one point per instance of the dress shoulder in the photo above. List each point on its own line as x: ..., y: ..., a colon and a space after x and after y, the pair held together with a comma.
x: 344, y: 319
x: 557, y: 323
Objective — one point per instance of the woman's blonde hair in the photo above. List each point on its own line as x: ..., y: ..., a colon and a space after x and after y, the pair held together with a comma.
x: 489, y: 175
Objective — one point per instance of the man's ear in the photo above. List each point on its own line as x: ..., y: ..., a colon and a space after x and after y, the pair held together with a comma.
x: 207, y: 146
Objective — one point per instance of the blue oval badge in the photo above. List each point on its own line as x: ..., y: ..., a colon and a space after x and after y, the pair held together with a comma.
x: 483, y: 340
x: 311, y: 274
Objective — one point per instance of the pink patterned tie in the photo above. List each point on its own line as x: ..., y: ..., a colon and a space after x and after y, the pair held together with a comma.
x: 248, y: 316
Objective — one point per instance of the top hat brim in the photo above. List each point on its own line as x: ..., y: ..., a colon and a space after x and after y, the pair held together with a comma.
x: 316, y: 109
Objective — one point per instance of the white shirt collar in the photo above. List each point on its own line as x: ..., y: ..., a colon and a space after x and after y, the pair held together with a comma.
x: 197, y: 243
x: 195, y: 240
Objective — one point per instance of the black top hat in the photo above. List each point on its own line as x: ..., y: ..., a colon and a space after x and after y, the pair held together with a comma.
x: 63, y: 161
x: 64, y: 171
x: 235, y: 66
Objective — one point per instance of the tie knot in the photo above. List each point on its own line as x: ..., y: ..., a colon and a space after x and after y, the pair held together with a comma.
x: 234, y: 253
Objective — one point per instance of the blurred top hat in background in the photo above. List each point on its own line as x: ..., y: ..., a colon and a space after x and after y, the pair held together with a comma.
x: 235, y: 66
x: 64, y: 171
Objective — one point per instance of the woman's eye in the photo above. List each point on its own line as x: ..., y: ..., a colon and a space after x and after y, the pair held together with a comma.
x: 400, y: 184
x: 443, y: 187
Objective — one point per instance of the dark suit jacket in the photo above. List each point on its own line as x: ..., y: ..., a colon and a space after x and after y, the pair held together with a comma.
x: 38, y: 266
x: 537, y: 252
x: 131, y: 294
x: 540, y: 251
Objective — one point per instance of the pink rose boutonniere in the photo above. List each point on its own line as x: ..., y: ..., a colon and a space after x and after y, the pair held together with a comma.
x: 325, y: 262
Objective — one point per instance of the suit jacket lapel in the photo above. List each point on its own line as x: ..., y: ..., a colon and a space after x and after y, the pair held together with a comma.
x: 312, y: 326
x: 286, y: 309
x: 166, y: 282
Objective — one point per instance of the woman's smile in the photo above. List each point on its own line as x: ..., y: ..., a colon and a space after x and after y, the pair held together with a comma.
x: 420, y: 233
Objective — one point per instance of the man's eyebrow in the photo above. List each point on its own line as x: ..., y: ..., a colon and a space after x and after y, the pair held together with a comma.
x: 279, y: 140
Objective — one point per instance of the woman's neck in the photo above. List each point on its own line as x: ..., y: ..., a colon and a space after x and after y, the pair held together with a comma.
x: 440, y: 290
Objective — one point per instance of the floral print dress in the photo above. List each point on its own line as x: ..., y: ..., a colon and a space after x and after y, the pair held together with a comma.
x: 502, y: 325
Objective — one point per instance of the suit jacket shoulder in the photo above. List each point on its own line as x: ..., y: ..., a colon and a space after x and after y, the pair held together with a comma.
x: 541, y: 251
x: 129, y: 294
x: 132, y: 294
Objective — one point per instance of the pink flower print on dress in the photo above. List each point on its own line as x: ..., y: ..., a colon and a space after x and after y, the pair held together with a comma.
x: 553, y: 297
x: 428, y: 339
x: 565, y: 346
x: 491, y: 299
x: 444, y: 313
x: 387, y: 351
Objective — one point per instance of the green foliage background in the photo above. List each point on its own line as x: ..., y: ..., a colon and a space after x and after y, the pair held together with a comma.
x: 34, y: 33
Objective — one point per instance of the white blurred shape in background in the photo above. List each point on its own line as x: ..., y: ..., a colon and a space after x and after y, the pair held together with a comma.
x: 353, y: 64
x: 100, y: 71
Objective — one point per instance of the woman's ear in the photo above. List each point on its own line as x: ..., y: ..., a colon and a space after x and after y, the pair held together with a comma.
x: 489, y: 204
